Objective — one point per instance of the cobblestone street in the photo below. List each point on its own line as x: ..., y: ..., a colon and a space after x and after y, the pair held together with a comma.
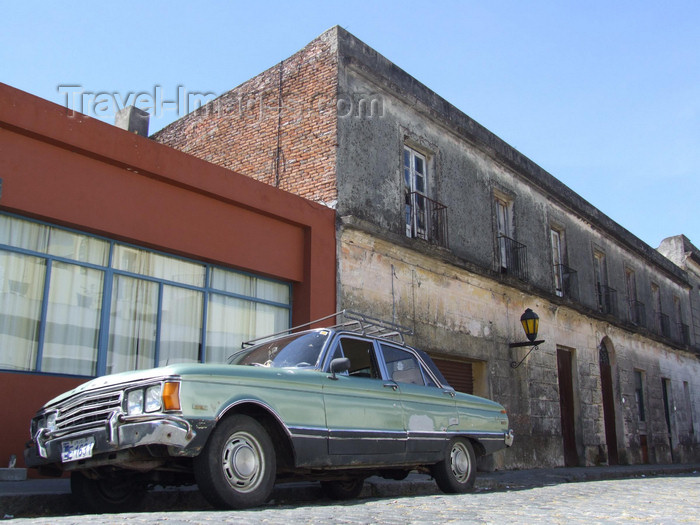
x: 647, y: 500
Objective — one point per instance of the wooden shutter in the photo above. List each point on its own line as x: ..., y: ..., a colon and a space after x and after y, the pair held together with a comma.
x: 459, y: 374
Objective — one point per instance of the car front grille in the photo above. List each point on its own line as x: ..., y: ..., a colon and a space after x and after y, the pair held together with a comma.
x: 87, y: 410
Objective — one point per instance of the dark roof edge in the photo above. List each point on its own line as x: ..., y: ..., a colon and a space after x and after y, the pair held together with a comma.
x: 353, y: 52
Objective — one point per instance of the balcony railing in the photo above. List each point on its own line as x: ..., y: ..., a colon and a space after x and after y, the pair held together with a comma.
x: 565, y: 281
x: 638, y: 313
x: 512, y: 257
x: 662, y: 324
x: 426, y: 219
x: 607, y: 299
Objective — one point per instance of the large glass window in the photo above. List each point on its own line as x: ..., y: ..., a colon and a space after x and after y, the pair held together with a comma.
x: 249, y: 286
x: 73, y: 320
x: 133, y: 324
x: 73, y: 303
x: 142, y: 262
x: 181, y: 319
x: 21, y: 293
x: 232, y: 320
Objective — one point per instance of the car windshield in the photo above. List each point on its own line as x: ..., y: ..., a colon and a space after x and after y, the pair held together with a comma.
x: 297, y: 350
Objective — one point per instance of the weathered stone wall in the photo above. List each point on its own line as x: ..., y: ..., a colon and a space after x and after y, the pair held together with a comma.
x: 465, y: 176
x: 456, y: 313
x: 330, y: 124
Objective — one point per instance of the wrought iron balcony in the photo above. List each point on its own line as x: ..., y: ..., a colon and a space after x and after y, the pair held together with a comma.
x: 565, y: 281
x: 512, y: 257
x: 426, y: 219
x: 607, y: 299
x: 663, y: 324
x: 638, y: 313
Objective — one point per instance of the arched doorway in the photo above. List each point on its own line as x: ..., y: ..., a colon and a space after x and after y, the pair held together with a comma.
x: 607, y: 388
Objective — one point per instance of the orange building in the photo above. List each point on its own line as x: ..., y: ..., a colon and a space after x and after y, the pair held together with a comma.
x: 117, y: 253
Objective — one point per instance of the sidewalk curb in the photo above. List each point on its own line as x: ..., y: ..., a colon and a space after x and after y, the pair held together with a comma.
x: 35, y: 498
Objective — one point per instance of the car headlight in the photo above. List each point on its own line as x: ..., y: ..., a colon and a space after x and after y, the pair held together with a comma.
x: 134, y: 402
x: 153, y: 398
x: 37, y: 423
x: 46, y: 421
x: 51, y: 421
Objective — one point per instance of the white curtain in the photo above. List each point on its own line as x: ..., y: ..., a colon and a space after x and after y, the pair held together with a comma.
x: 156, y: 265
x: 21, y: 292
x: 78, y: 247
x: 250, y: 286
x: 72, y: 320
x: 24, y: 234
x: 230, y: 321
x: 181, y: 322
x: 132, y: 330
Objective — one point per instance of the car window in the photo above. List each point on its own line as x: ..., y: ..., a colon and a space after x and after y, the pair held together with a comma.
x: 298, y: 350
x: 403, y: 366
x: 363, y: 361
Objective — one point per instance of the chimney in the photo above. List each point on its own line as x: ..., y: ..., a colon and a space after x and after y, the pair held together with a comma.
x: 132, y: 119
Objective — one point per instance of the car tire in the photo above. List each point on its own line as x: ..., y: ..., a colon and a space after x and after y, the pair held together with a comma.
x: 107, y: 495
x: 237, y: 467
x: 457, y: 472
x: 343, y: 489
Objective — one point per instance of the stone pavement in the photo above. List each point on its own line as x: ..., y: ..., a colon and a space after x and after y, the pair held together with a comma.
x: 51, y: 497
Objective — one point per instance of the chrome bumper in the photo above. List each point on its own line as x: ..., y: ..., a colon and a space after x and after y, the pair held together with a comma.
x: 118, y: 433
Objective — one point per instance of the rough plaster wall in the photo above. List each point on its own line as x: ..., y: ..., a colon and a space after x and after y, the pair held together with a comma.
x: 464, y: 178
x: 326, y: 104
x: 458, y: 314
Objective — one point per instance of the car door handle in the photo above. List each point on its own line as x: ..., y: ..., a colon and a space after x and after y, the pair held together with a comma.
x: 393, y: 386
x: 451, y: 393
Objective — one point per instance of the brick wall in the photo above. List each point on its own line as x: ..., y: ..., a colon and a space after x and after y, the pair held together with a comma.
x: 278, y: 127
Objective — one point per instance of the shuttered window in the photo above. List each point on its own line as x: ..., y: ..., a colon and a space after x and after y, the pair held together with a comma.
x: 459, y: 374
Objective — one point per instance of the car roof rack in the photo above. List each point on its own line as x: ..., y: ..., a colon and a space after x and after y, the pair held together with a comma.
x: 349, y: 321
x: 364, y: 324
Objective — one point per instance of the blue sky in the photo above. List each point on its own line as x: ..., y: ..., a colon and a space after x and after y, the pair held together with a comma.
x: 605, y: 95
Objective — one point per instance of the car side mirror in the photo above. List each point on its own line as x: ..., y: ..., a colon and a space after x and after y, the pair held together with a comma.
x: 339, y: 365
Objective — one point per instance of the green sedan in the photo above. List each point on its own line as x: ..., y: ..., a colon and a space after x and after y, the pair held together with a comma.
x: 335, y: 404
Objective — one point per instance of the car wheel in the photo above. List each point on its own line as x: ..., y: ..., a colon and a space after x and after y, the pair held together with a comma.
x: 109, y: 494
x: 343, y: 489
x: 457, y: 472
x: 237, y: 467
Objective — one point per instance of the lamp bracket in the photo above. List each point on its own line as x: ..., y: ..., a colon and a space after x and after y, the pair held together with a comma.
x: 533, y: 344
x: 526, y: 343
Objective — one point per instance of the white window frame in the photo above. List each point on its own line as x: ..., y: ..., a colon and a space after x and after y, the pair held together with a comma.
x: 415, y: 196
x: 504, y: 227
x: 557, y: 239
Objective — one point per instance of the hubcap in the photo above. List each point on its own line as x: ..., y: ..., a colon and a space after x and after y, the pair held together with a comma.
x: 459, y: 461
x: 243, y: 462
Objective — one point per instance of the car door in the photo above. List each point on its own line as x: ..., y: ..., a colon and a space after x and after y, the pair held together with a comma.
x: 430, y: 412
x: 363, y: 411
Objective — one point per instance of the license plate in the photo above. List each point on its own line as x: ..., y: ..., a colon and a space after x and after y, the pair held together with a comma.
x: 77, y: 449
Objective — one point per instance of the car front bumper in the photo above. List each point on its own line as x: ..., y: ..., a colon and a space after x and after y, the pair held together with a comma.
x: 119, y: 433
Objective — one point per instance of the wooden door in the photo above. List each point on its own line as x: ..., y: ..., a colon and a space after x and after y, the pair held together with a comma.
x: 566, y: 405
x: 606, y: 385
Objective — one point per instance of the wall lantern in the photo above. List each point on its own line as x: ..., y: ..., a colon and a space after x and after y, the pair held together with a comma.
x: 531, y: 322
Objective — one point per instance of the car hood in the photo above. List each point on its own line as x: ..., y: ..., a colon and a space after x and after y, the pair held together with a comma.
x: 124, y: 379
